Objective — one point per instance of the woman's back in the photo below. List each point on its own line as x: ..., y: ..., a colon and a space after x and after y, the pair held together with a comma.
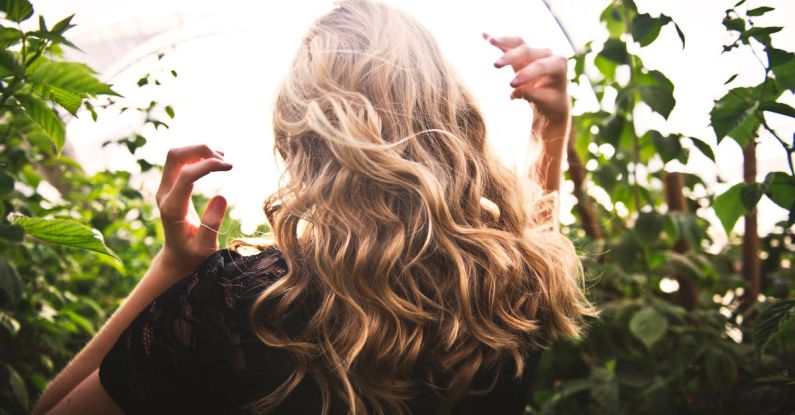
x: 193, y: 351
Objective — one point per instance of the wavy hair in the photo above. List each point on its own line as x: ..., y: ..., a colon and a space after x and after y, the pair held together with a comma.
x: 411, y: 249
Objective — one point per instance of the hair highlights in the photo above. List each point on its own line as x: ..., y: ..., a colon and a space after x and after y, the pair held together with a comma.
x: 408, y: 272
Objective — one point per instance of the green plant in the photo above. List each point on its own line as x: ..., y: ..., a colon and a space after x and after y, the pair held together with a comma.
x: 707, y: 348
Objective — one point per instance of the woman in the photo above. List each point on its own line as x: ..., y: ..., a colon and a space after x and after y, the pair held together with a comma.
x: 406, y: 276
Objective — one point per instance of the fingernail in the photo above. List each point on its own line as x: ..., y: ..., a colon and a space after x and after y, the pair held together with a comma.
x: 226, y: 165
x: 500, y: 62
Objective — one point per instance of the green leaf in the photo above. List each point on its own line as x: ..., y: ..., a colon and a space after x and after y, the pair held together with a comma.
x: 734, y: 116
x: 759, y: 11
x: 16, y: 10
x: 657, y: 91
x: 6, y: 184
x: 11, y: 381
x: 10, y: 62
x: 680, y: 33
x: 683, y: 225
x: 669, y: 147
x: 721, y: 369
x: 9, y: 323
x: 65, y: 232
x: 170, y: 111
x: 9, y: 36
x: 645, y: 29
x: 781, y: 189
x: 66, y: 99
x: 648, y: 227
x: 750, y: 195
x: 729, y: 207
x: 648, y: 325
x: 703, y: 147
x: 771, y: 320
x: 10, y: 283
x: 12, y: 233
x: 45, y: 118
x: 731, y: 78
x: 782, y: 63
x: 778, y: 108
x: 616, y: 51
x: 63, y: 25
x: 70, y: 76
x: 734, y: 24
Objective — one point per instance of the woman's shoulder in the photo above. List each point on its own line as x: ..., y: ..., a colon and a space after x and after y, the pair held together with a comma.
x: 245, y: 274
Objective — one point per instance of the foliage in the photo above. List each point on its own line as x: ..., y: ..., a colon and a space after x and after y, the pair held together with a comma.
x: 710, y: 347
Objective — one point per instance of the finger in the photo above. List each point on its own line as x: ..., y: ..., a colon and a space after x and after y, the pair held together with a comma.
x: 521, y: 56
x: 211, y: 221
x: 504, y: 43
x: 552, y: 66
x: 178, y: 157
x: 175, y: 203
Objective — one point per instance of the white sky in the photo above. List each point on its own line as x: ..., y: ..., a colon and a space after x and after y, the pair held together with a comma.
x: 230, y: 57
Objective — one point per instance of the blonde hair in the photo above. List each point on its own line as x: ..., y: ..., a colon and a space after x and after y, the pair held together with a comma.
x: 412, y: 282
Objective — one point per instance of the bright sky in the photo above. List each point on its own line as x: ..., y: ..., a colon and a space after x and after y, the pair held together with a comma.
x: 231, y: 57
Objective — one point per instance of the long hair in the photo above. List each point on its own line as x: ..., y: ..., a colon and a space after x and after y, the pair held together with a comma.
x: 410, y: 247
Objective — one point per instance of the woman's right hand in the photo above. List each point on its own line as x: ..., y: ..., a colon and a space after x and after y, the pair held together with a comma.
x: 189, y: 239
x: 541, y: 79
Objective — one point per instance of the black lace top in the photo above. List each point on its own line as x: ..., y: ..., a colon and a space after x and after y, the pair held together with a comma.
x: 192, y: 350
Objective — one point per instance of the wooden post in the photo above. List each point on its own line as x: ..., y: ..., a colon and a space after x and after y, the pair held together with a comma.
x: 751, y: 270
x: 584, y: 202
x: 675, y: 199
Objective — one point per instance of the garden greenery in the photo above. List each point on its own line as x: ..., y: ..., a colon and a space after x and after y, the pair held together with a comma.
x: 723, y: 343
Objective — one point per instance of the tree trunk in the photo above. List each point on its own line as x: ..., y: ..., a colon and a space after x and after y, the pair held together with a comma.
x: 675, y: 199
x: 751, y: 265
x: 584, y: 202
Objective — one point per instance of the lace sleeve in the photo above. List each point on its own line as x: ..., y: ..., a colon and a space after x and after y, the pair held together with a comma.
x: 186, y: 352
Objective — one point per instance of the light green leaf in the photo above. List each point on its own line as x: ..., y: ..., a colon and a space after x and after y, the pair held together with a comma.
x: 65, y: 232
x: 16, y: 10
x: 728, y: 207
x: 70, y: 76
x: 10, y: 283
x: 170, y: 111
x: 45, y: 118
x: 9, y: 323
x: 66, y: 99
x: 9, y: 36
x: 648, y: 325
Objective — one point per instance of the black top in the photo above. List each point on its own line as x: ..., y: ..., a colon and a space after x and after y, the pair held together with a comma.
x: 192, y: 350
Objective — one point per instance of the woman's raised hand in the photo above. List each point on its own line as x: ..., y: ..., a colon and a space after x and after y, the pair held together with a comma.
x: 189, y: 239
x: 541, y: 79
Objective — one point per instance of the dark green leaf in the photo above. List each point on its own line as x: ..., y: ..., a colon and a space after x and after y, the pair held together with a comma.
x: 669, y: 147
x: 734, y: 116
x: 12, y: 233
x: 648, y: 325
x: 645, y: 29
x: 53, y: 37
x: 174, y: 73
x: 759, y: 11
x: 735, y: 24
x: 729, y: 207
x: 778, y: 108
x: 750, y: 195
x: 721, y: 369
x: 45, y: 118
x: 772, y: 318
x: 680, y: 33
x: 761, y: 34
x: 10, y: 283
x: 11, y: 381
x: 781, y: 189
x: 10, y: 62
x: 70, y: 76
x: 782, y: 63
x: 731, y: 78
x: 65, y: 232
x: 616, y: 51
x: 16, y: 10
x: 6, y: 184
x: 648, y: 227
x: 659, y: 99
x: 704, y: 148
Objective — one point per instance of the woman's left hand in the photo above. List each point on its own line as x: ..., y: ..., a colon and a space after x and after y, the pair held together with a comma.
x: 189, y: 239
